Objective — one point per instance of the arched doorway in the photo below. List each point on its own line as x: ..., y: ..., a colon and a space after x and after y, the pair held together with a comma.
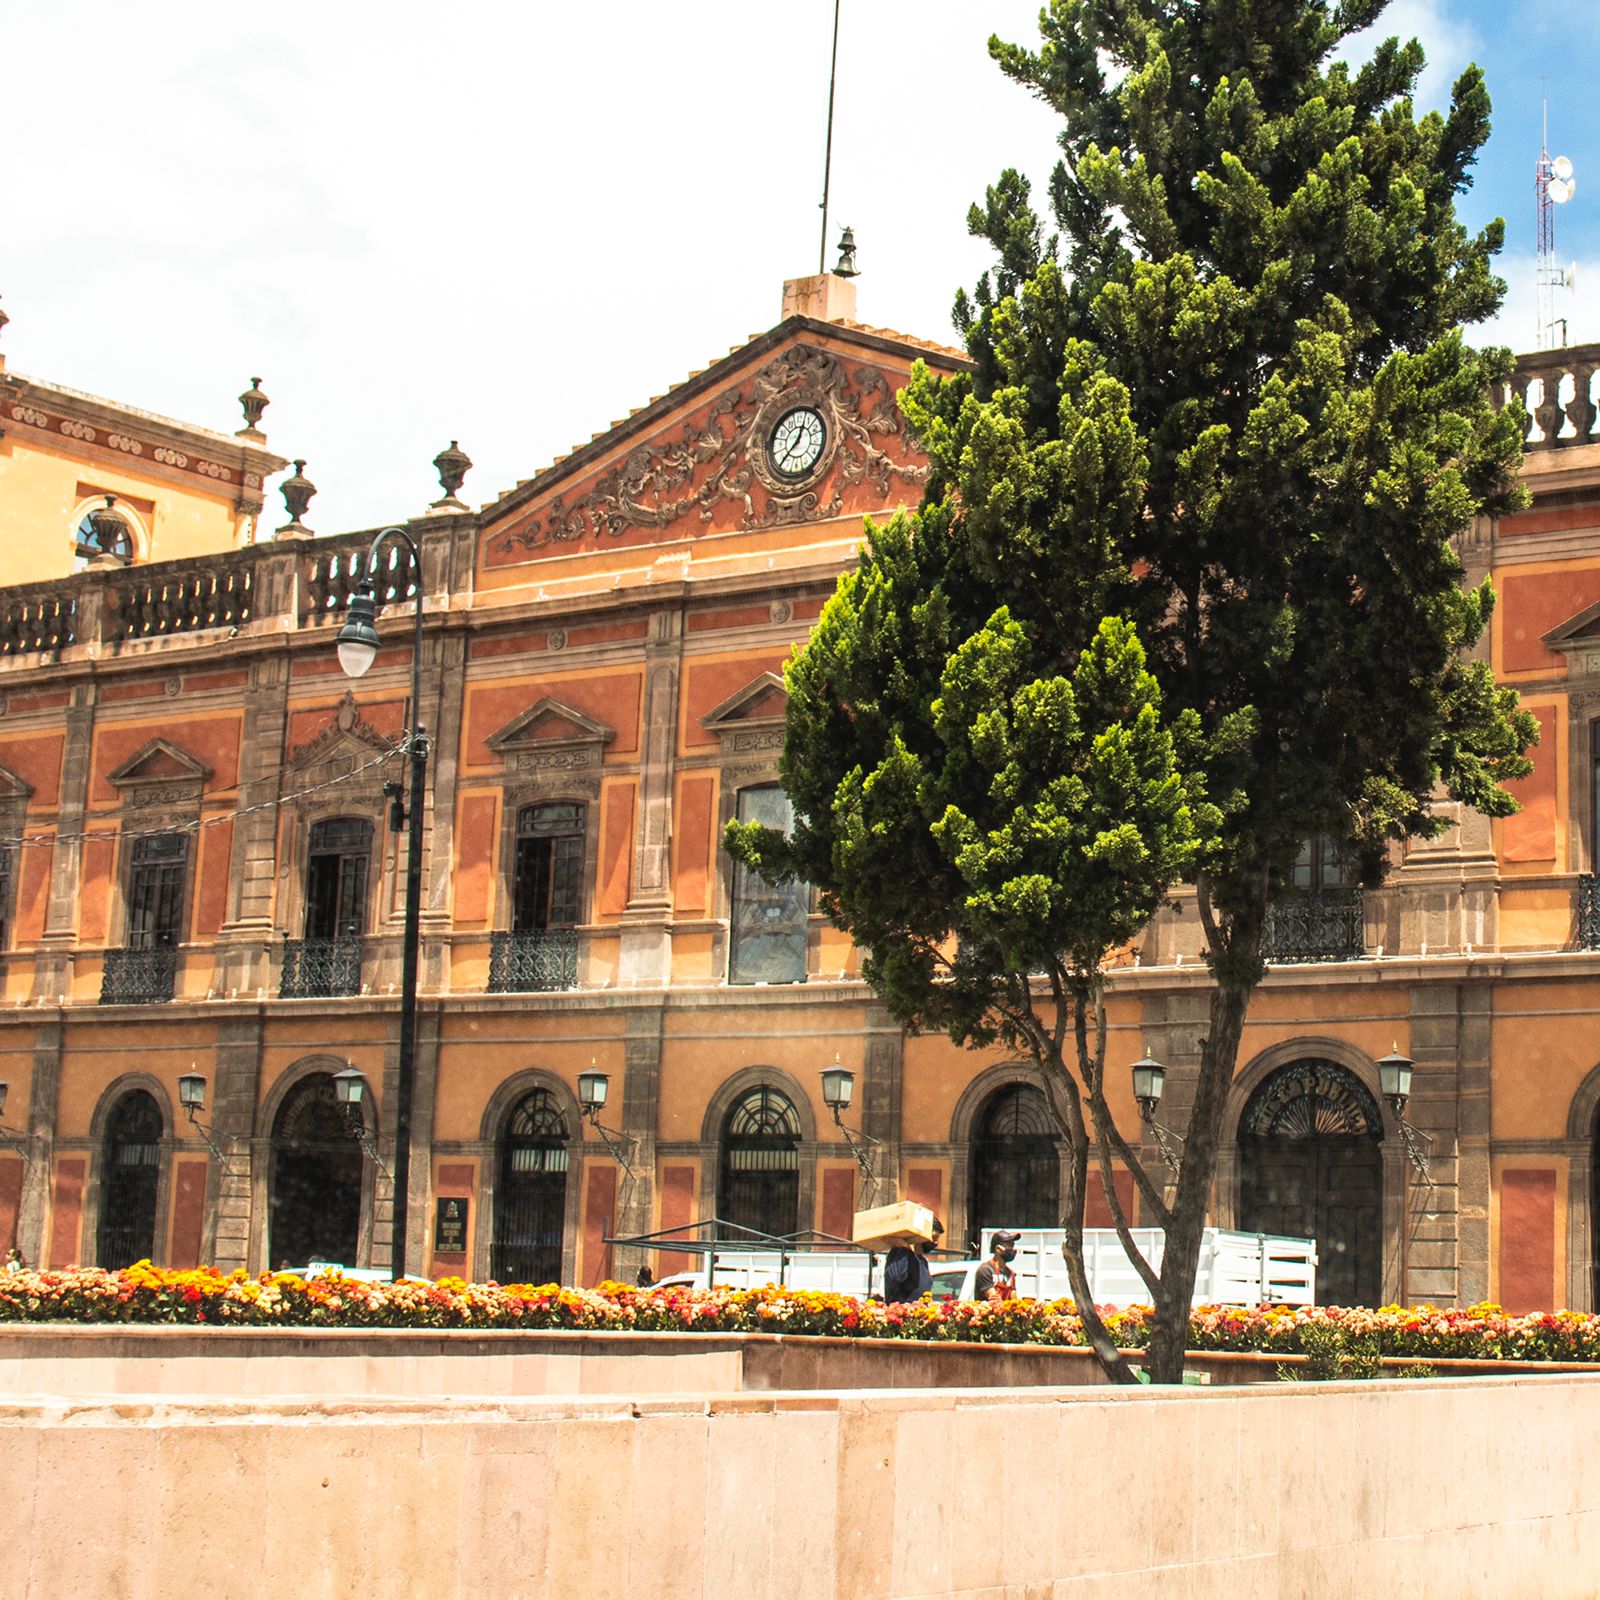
x: 530, y: 1196
x: 1310, y: 1166
x: 317, y: 1170
x: 758, y: 1182
x: 1016, y: 1163
x: 130, y: 1181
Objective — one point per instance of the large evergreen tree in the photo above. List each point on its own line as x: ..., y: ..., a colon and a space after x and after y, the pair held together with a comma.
x: 1224, y: 401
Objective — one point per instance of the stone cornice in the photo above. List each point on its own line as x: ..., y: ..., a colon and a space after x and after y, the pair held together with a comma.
x: 76, y: 421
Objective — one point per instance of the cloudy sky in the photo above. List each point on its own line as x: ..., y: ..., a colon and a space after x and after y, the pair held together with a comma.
x: 512, y: 223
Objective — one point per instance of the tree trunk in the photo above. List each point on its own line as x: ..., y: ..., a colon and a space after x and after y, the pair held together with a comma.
x: 1112, y: 1361
x: 1219, y: 1053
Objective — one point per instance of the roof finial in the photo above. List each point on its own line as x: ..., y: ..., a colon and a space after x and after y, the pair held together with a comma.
x: 297, y: 492
x: 452, y: 466
x: 254, y: 402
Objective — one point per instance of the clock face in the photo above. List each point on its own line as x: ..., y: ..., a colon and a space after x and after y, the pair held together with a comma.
x: 797, y: 442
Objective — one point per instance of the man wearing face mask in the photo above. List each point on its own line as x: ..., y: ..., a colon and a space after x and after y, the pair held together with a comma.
x: 995, y: 1280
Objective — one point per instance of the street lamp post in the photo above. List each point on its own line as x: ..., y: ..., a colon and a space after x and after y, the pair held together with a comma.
x: 358, y: 645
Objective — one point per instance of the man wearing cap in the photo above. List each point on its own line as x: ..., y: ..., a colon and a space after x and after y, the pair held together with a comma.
x: 995, y: 1281
x: 906, y: 1273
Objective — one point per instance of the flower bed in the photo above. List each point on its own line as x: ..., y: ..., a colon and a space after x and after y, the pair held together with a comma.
x: 147, y: 1294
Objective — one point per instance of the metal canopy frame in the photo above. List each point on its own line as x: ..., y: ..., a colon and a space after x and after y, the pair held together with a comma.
x: 712, y: 1236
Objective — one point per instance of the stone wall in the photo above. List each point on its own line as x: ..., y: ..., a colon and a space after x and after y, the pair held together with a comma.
x: 1466, y: 1488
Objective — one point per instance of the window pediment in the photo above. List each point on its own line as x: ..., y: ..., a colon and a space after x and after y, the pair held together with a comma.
x: 752, y: 719
x: 551, y: 736
x: 159, y: 774
x: 12, y: 787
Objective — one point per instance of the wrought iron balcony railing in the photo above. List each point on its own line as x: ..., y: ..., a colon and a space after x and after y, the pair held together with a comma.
x: 1316, y: 925
x: 1588, y: 911
x: 546, y: 958
x: 139, y: 977
x: 315, y: 969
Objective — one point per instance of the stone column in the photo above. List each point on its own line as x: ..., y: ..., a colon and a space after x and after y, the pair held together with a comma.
x: 646, y: 954
x: 235, y: 1236
x: 247, y: 938
x: 52, y: 968
x: 44, y: 1094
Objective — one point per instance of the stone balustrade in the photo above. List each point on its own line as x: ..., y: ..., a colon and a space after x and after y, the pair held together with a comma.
x: 262, y: 588
x: 1558, y: 389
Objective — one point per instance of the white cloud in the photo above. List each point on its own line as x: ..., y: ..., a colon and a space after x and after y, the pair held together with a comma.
x: 1448, y: 42
x: 1516, y: 324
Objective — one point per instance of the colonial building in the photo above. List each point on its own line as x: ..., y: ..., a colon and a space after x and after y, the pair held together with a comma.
x: 198, y: 874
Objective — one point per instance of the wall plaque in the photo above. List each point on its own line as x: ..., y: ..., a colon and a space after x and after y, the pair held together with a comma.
x: 450, y: 1226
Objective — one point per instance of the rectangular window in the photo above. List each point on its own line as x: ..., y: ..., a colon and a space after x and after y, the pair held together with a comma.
x: 767, y: 936
x: 337, y: 863
x: 155, y: 891
x: 547, y: 885
x: 1322, y: 865
x: 6, y: 854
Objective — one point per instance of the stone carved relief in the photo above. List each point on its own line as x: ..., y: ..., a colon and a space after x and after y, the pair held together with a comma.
x: 725, y: 458
x: 345, y: 723
x: 159, y: 774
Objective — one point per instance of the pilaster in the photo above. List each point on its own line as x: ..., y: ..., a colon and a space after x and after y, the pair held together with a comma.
x: 246, y: 939
x: 44, y: 1094
x: 234, y: 1235
x: 645, y: 958
x: 883, y: 1069
x: 641, y: 1116
x: 52, y: 970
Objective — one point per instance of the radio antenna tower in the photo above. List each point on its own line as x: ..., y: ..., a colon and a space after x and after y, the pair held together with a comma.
x: 1553, y: 186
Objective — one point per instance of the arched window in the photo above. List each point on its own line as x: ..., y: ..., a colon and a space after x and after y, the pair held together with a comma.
x: 1016, y: 1165
x: 318, y: 1167
x: 103, y: 535
x: 759, y: 1181
x: 130, y: 1178
x: 530, y: 1197
x: 1310, y: 1167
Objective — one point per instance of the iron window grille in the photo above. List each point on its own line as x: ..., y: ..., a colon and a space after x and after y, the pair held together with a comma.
x: 1588, y: 911
x: 1322, y: 916
x: 540, y: 950
x: 131, y: 1182
x: 327, y: 961
x: 145, y: 970
x: 760, y: 1178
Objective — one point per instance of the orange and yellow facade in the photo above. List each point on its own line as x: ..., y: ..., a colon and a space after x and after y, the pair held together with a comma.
x: 602, y: 691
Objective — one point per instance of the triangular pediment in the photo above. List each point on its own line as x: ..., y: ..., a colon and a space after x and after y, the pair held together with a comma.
x: 1579, y: 632
x: 549, y: 722
x: 762, y: 703
x: 348, y: 736
x: 12, y: 787
x: 159, y: 762
x: 798, y: 425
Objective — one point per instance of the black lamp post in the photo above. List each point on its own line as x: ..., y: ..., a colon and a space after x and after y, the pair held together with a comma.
x: 1394, y: 1079
x: 838, y: 1090
x: 358, y: 645
x: 1149, y: 1079
x: 593, y: 1088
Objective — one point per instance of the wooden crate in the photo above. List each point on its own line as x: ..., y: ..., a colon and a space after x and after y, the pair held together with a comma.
x: 905, y: 1222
